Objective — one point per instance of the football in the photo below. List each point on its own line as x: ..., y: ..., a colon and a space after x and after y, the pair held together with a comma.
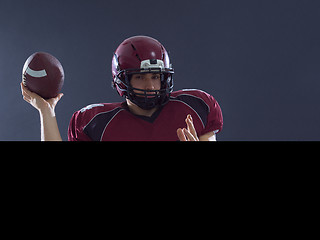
x: 43, y: 74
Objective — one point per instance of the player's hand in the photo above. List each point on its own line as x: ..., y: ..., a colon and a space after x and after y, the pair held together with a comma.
x: 38, y: 102
x: 189, y: 133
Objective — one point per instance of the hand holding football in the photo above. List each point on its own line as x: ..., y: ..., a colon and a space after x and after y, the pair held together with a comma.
x: 43, y: 74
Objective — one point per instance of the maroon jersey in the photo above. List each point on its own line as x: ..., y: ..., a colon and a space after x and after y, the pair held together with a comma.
x: 114, y: 121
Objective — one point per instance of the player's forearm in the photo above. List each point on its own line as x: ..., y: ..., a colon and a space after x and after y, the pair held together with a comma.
x: 49, y: 126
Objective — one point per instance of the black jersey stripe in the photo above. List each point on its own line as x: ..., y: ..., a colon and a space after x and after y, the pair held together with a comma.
x: 97, y: 125
x: 197, y: 104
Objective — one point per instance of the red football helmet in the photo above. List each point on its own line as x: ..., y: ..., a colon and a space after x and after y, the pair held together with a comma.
x: 142, y: 54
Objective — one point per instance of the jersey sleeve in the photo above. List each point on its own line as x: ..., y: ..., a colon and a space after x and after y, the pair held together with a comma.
x: 214, y: 117
x: 75, y: 130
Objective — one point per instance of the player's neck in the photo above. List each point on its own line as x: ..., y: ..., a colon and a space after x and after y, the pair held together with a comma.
x: 139, y: 111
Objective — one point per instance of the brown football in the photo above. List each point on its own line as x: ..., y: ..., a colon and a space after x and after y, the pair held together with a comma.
x: 43, y: 74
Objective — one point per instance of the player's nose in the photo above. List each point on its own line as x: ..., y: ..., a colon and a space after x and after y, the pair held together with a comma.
x: 149, y: 85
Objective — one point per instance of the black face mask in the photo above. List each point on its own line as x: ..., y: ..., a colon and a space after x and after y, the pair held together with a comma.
x: 149, y: 98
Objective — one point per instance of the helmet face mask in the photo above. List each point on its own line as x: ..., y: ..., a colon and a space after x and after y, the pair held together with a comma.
x: 141, y: 55
x: 145, y: 99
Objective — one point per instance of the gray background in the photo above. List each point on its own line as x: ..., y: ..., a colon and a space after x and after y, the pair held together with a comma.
x: 259, y: 59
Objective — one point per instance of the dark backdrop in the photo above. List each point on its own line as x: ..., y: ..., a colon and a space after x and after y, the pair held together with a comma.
x: 258, y: 58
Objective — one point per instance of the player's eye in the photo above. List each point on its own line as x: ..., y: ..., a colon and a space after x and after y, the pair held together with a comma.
x: 155, y: 76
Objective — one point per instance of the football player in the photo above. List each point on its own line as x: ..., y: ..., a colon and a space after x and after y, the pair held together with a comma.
x: 143, y: 75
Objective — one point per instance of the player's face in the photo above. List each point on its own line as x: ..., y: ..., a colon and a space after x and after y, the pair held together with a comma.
x: 146, y: 81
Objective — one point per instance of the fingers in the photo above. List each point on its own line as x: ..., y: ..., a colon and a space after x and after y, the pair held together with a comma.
x: 25, y: 93
x: 190, y: 126
x: 185, y: 135
x: 190, y: 137
x: 24, y: 88
x: 53, y: 101
x: 181, y: 135
x: 57, y: 98
x: 60, y: 95
x: 189, y: 133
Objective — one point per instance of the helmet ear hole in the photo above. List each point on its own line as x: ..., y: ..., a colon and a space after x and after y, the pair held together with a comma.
x: 121, y: 76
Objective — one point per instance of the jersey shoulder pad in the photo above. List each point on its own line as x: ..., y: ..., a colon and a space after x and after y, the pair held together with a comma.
x: 90, y: 119
x: 192, y: 92
x: 204, y: 104
x: 194, y: 97
x: 99, y: 107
